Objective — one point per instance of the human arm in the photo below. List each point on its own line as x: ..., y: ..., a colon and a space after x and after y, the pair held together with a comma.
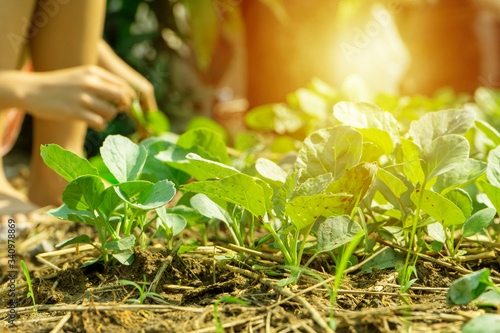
x: 86, y: 93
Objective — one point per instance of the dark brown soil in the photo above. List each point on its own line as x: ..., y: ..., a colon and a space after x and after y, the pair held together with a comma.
x: 91, y: 299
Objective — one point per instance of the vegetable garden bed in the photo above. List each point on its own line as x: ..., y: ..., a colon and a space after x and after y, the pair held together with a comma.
x: 380, y: 222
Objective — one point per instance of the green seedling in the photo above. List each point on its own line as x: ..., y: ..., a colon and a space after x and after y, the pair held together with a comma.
x: 31, y: 294
x: 119, y: 212
x: 225, y: 299
x: 143, y: 295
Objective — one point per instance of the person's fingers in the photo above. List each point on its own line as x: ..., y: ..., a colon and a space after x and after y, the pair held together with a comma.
x: 94, y: 120
x: 117, y: 81
x: 99, y: 106
x: 148, y: 100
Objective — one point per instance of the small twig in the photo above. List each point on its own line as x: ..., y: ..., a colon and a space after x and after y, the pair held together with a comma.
x: 431, y: 259
x: 312, y: 311
x: 48, y: 263
x: 61, y: 323
x: 484, y: 255
x: 383, y: 293
x: 255, y: 253
x: 231, y: 324
x: 166, y: 263
x: 119, y: 307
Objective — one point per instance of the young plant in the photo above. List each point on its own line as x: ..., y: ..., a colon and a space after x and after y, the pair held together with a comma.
x: 143, y: 295
x: 30, y: 287
x: 115, y: 211
x: 225, y: 299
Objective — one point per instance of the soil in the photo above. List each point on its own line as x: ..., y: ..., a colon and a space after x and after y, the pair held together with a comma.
x: 90, y: 299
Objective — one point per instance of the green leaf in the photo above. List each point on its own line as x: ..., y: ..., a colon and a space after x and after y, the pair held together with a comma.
x: 102, y: 169
x: 176, y: 157
x: 216, y: 169
x: 440, y: 208
x: 411, y: 157
x: 284, y: 194
x: 467, y: 288
x: 478, y: 221
x: 204, y: 122
x: 123, y: 158
x: 123, y: 244
x: 443, y: 154
x: 490, y: 132
x: 336, y: 231
x: 364, y: 115
x: 379, y: 138
x: 388, y: 259
x: 174, y: 222
x: 157, y: 122
x: 460, y: 176
x: 436, y: 231
x: 239, y: 189
x: 493, y: 169
x: 108, y: 202
x: 355, y: 181
x: 206, y: 143
x: 313, y: 186
x: 433, y: 125
x: 270, y: 170
x: 82, y: 239
x: 333, y: 150
x: 396, y: 185
x: 461, y: 199
x: 83, y: 193
x: 303, y: 211
x: 487, y: 323
x: 190, y: 214
x: 67, y: 164
x: 124, y: 257
x: 64, y: 213
x: 492, y: 192
x: 145, y: 195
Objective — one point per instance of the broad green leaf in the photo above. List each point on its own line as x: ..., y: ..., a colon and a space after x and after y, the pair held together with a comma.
x: 270, y: 170
x: 83, y: 193
x: 440, y: 208
x: 64, y: 213
x: 492, y: 192
x: 268, y: 193
x: 123, y: 158
x: 333, y: 150
x: 460, y: 176
x: 461, y: 199
x: 108, y: 201
x: 210, y: 209
x: 364, y: 115
x: 411, y: 157
x: 216, y: 169
x: 175, y: 223
x: 313, y: 186
x: 147, y: 197
x: 206, y: 143
x: 378, y: 137
x: 443, y: 154
x: 204, y: 122
x: 432, y: 125
x: 355, y: 181
x: 490, y: 132
x: 309, y: 102
x: 303, y: 211
x: 125, y: 243
x: 125, y: 257
x: 478, y: 221
x: 239, y: 189
x: 493, y: 169
x: 395, y: 184
x: 157, y: 122
x: 176, y: 157
x: 81, y: 239
x: 190, y: 214
x: 261, y: 118
x: 284, y: 194
x: 467, y: 288
x: 102, y: 169
x: 388, y: 259
x: 436, y: 231
x: 487, y: 323
x: 336, y: 231
x: 67, y: 164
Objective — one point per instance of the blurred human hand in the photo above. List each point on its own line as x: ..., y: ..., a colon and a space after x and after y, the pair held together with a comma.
x: 87, y: 93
